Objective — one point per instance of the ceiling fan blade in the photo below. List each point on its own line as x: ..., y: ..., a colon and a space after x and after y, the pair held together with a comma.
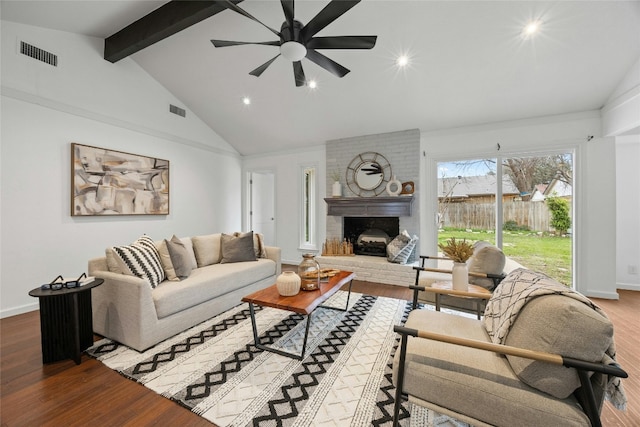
x: 226, y: 43
x: 288, y: 8
x: 263, y: 67
x: 326, y: 63
x: 326, y: 16
x: 342, y: 42
x: 243, y: 12
x: 298, y: 73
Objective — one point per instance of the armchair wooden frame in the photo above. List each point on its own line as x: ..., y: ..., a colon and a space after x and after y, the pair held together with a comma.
x: 584, y: 394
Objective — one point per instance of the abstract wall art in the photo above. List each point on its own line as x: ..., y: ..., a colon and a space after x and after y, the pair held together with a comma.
x: 109, y: 182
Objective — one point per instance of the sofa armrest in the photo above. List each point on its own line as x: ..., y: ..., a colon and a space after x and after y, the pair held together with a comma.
x: 123, y: 307
x: 275, y: 253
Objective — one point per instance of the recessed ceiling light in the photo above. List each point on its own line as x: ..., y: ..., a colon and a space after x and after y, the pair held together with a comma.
x: 312, y: 84
x: 402, y: 61
x: 246, y: 100
x: 531, y: 28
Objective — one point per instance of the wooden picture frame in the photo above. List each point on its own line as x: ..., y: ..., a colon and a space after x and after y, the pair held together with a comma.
x: 111, y: 182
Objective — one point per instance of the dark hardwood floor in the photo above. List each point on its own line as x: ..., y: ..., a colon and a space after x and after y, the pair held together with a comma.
x: 65, y: 394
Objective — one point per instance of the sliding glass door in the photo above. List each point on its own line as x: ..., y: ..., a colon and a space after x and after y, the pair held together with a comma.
x: 524, y: 205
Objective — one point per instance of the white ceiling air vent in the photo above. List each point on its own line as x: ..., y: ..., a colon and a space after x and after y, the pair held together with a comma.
x: 39, y: 54
x: 177, y: 110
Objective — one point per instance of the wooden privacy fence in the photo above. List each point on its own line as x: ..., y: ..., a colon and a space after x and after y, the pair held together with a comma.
x: 534, y: 215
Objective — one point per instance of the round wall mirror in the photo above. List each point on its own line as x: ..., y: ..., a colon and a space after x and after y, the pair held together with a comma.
x: 368, y: 174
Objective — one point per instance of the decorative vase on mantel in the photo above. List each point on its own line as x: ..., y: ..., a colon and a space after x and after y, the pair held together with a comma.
x: 336, y: 189
x: 460, y: 276
x: 288, y: 283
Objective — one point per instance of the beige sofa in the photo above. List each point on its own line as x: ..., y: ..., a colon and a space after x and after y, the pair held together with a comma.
x: 559, y: 352
x: 128, y: 309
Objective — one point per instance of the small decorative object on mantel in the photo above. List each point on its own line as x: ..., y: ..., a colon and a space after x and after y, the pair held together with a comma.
x: 459, y: 251
x: 394, y: 187
x: 288, y: 283
x: 309, y: 272
x: 408, y: 188
x: 337, y: 247
x: 336, y: 190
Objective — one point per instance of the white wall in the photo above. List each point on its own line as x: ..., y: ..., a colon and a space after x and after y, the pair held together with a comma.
x: 621, y: 114
x: 621, y: 118
x: 91, y: 101
x: 287, y: 168
x: 595, y: 241
x: 628, y: 211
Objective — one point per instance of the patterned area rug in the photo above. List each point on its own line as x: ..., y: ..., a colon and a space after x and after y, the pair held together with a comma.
x: 214, y: 370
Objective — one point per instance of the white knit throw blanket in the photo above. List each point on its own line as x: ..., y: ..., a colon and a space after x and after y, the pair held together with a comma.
x: 520, y: 287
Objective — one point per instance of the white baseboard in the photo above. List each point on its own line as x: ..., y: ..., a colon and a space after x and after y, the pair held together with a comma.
x: 14, y: 311
x: 628, y: 286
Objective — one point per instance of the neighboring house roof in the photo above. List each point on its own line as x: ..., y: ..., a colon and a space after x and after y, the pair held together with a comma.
x: 558, y: 188
x: 554, y: 188
x: 469, y: 186
x: 538, y: 192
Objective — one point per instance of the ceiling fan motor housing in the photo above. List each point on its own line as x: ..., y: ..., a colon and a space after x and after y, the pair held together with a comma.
x: 291, y: 45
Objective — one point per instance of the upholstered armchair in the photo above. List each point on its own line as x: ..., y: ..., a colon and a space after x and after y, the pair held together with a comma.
x: 542, y: 355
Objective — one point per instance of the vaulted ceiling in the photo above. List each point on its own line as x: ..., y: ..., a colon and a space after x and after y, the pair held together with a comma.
x: 468, y: 64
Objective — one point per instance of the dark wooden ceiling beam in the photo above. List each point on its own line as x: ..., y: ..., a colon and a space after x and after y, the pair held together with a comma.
x: 163, y: 22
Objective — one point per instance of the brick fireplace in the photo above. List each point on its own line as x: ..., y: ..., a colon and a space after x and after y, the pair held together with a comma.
x: 402, y: 150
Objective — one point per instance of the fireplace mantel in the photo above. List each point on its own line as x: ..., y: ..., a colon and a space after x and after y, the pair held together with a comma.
x: 369, y: 206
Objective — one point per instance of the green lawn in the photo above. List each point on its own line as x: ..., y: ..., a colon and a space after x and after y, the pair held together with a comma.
x: 548, y: 254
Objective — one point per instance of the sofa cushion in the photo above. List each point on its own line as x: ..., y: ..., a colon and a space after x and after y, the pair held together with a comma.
x: 259, y: 246
x: 562, y: 325
x: 112, y: 261
x: 478, y: 383
x: 141, y: 259
x: 207, y: 249
x: 180, y: 259
x: 188, y: 244
x: 207, y: 283
x: 237, y: 248
x: 165, y: 260
x: 486, y: 259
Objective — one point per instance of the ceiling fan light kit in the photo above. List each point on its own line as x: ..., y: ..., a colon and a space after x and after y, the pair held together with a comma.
x: 297, y: 41
x: 293, y: 51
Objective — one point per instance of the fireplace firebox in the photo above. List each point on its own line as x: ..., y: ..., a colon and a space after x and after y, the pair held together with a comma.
x: 370, y: 235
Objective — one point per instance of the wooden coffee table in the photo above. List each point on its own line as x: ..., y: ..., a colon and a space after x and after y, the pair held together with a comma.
x: 305, y: 302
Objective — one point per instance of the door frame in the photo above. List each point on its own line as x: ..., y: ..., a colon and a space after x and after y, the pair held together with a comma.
x: 247, y: 199
x: 431, y: 203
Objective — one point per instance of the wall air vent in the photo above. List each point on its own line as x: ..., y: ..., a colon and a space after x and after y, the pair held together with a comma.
x: 177, y: 110
x: 39, y: 54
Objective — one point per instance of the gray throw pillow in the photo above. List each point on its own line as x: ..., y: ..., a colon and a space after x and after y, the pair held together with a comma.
x: 237, y: 248
x: 179, y: 257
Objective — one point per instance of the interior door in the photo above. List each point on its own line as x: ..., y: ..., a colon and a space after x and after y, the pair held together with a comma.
x: 262, y: 209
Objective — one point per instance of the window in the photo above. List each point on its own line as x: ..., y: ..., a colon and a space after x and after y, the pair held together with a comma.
x: 523, y: 205
x: 308, y: 220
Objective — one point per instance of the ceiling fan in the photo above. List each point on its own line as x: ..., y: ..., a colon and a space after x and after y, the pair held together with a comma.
x: 297, y: 41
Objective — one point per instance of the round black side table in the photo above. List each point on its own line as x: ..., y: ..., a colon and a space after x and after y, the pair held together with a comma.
x: 66, y: 322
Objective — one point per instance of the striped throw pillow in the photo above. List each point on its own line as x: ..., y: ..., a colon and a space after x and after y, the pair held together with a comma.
x: 141, y: 259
